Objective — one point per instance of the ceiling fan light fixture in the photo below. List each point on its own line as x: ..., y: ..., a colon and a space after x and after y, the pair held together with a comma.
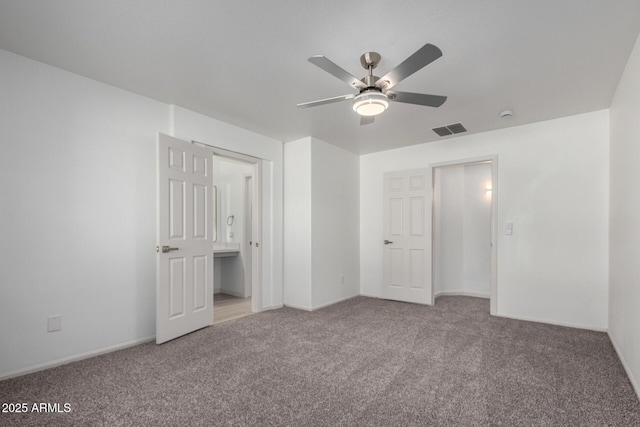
x: 370, y: 103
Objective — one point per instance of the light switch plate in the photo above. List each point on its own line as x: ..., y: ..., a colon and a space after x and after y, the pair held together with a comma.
x: 509, y: 229
x: 54, y: 323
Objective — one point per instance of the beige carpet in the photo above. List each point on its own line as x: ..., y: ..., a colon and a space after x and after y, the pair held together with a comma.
x: 363, y: 362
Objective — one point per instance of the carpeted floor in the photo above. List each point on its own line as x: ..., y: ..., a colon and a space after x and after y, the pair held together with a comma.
x: 363, y: 362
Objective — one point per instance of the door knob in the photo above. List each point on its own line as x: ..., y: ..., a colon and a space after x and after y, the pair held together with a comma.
x: 166, y: 249
x: 387, y: 242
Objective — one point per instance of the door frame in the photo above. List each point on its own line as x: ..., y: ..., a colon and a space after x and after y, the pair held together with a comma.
x: 256, y: 258
x: 248, y: 196
x: 493, y: 160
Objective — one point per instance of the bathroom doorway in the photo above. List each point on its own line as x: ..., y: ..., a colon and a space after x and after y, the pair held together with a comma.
x: 464, y: 207
x: 236, y: 213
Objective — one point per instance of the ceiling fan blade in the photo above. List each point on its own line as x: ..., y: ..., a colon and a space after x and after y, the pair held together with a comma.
x: 326, y: 101
x: 366, y: 120
x: 417, y: 98
x: 421, y: 58
x: 337, y: 71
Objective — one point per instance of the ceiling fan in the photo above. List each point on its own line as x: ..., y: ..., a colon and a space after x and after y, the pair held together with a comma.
x: 374, y: 92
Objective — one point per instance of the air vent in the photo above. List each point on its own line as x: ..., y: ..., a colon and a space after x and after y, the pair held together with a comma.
x: 443, y: 131
x: 450, y: 129
x: 457, y: 128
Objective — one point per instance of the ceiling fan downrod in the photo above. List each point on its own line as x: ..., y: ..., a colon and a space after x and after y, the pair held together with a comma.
x: 369, y: 61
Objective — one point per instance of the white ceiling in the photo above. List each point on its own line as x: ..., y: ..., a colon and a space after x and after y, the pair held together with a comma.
x: 245, y: 61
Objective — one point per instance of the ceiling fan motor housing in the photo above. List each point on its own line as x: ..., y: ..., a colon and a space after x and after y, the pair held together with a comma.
x: 370, y: 102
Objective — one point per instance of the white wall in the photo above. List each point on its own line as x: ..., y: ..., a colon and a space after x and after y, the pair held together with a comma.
x: 335, y: 224
x: 553, y: 185
x: 78, y: 213
x: 297, y: 219
x: 448, y: 230
x: 624, y: 268
x: 188, y: 125
x: 322, y: 229
x: 462, y: 230
x: 477, y: 230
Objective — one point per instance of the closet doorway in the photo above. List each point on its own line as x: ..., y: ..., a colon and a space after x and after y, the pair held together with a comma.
x: 464, y: 225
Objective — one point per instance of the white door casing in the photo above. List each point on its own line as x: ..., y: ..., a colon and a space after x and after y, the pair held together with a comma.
x: 407, y: 236
x: 248, y: 235
x: 256, y: 237
x: 184, y: 282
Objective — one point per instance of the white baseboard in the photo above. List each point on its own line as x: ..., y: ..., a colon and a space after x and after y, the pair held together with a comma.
x: 462, y: 294
x: 371, y: 296
x: 272, y: 307
x: 553, y: 322
x: 442, y: 294
x: 327, y: 304
x: 298, y: 307
x: 317, y: 307
x: 232, y: 293
x: 634, y: 382
x: 73, y: 358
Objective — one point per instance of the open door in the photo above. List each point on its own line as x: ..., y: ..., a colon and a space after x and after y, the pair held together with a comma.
x: 184, y: 283
x: 407, y: 236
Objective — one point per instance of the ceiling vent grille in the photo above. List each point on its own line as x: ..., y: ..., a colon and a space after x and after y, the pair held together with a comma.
x: 450, y: 129
x: 443, y: 131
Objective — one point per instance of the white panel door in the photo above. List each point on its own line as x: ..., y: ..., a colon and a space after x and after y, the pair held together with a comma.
x: 184, y: 283
x: 407, y: 236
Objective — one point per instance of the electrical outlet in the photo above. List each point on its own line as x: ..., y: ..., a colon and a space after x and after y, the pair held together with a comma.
x: 54, y: 323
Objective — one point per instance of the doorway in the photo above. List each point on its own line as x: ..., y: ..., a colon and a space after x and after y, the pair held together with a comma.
x: 463, y: 245
x: 236, y: 225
